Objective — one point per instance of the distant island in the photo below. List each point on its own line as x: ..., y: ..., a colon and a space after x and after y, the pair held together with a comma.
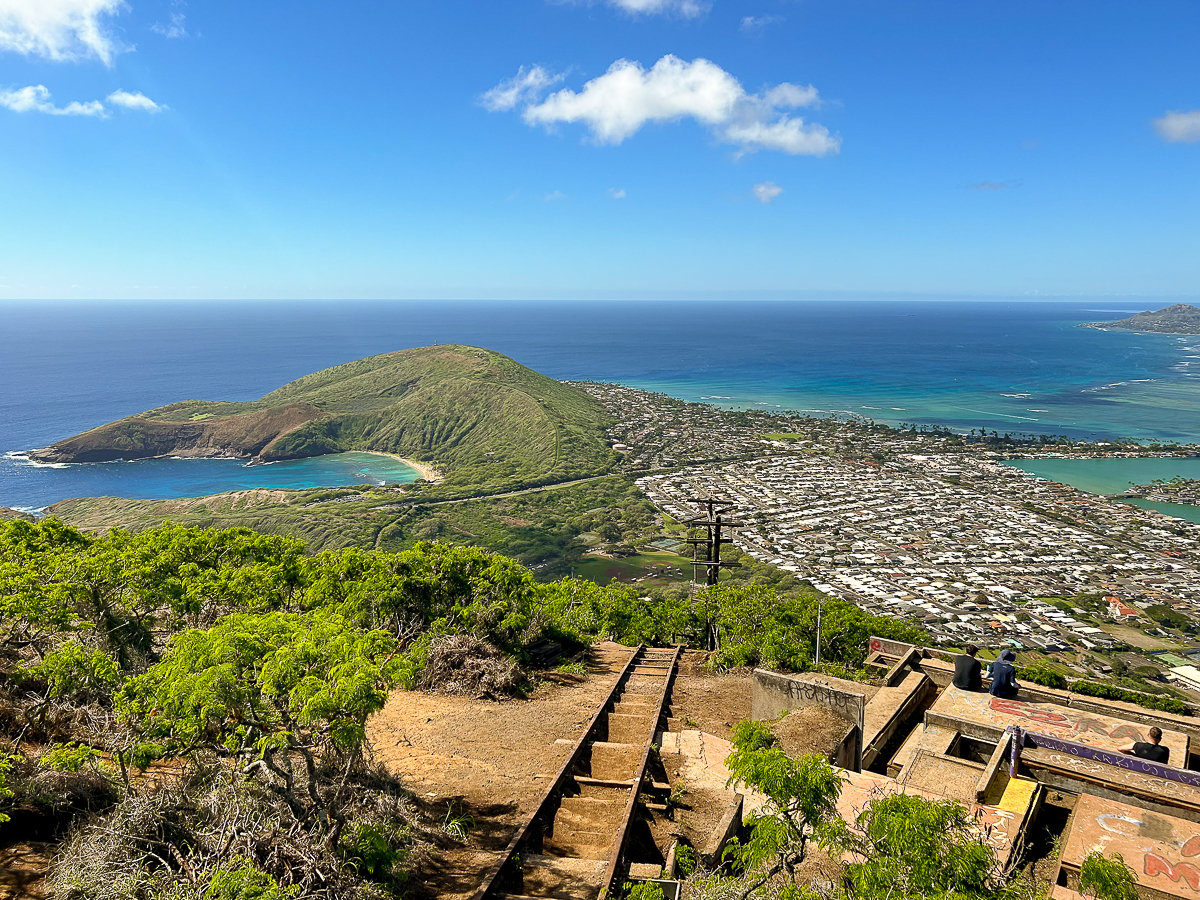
x: 475, y: 413
x: 1181, y: 318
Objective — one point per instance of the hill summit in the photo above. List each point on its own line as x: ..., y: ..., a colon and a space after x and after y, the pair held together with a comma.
x: 1181, y: 318
x: 474, y: 412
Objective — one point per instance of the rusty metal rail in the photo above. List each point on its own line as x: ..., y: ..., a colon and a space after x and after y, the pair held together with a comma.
x: 618, y: 851
x: 506, y: 872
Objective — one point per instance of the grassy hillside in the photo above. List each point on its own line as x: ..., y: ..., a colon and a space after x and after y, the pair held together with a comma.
x: 551, y: 529
x: 477, y: 415
x: 539, y: 528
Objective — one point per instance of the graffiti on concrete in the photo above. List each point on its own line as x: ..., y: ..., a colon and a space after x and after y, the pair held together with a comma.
x: 1164, y: 851
x: 1082, y: 725
x: 1111, y: 758
x: 1153, y: 864
x: 1093, y: 729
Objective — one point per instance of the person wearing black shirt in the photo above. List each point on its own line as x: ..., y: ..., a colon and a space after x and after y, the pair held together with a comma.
x: 968, y: 673
x: 1153, y: 751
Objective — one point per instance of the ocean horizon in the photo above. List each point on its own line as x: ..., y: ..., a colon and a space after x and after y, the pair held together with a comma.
x: 1015, y: 366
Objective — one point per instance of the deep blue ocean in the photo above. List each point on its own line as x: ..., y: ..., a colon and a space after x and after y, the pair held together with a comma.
x: 1007, y: 366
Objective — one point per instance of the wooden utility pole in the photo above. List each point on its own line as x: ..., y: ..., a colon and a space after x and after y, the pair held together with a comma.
x: 713, y: 521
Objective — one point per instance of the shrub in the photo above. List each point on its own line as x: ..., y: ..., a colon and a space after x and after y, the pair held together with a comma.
x: 1107, y: 878
x: 1043, y: 675
x: 465, y: 665
x: 246, y: 883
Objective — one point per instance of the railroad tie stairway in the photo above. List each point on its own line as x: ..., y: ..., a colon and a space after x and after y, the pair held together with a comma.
x: 574, y: 845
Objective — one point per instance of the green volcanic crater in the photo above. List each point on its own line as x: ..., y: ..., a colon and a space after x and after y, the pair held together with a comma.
x: 476, y: 414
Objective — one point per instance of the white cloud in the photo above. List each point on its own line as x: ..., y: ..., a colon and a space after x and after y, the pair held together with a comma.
x: 554, y: 196
x: 618, y: 193
x: 37, y: 98
x: 59, y: 29
x: 766, y: 191
x: 688, y: 8
x: 757, y: 23
x: 1179, y: 127
x: 134, y: 100
x: 618, y: 103
x: 526, y: 85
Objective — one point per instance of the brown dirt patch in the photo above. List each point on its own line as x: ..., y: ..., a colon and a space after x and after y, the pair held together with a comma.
x: 711, y: 703
x: 23, y: 870
x: 490, y: 761
x: 813, y: 729
x: 513, y: 521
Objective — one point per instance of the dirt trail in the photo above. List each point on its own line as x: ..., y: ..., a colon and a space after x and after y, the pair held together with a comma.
x: 23, y: 871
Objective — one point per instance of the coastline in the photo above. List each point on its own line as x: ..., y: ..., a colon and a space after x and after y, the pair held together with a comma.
x: 1110, y: 477
x: 430, y: 474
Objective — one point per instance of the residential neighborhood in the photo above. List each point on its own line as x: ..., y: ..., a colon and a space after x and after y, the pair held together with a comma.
x: 924, y: 526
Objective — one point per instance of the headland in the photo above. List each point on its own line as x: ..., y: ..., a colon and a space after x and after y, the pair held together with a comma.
x: 470, y: 414
x: 1181, y: 318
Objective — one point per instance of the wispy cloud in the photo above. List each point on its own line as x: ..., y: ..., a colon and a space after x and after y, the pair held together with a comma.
x: 60, y: 30
x: 752, y: 24
x: 176, y: 24
x: 992, y: 185
x: 134, y: 100
x: 766, y: 191
x: 526, y: 85
x: 555, y: 196
x: 618, y: 193
x: 1179, y: 127
x: 687, y: 8
x: 617, y: 104
x: 36, y: 98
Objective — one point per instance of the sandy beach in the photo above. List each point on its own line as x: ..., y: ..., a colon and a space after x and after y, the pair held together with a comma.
x: 429, y: 473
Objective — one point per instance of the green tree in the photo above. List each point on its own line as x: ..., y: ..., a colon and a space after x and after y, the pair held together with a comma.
x: 909, y: 846
x: 280, y: 693
x: 1165, y: 615
x: 38, y: 599
x: 803, y: 797
x: 432, y: 587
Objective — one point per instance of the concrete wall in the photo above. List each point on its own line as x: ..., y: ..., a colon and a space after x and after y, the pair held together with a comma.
x: 848, y: 754
x: 774, y: 694
x: 728, y: 827
x: 939, y: 665
x: 894, y: 649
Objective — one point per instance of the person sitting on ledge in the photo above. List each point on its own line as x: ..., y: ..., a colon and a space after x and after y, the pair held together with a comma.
x: 1004, y: 676
x: 968, y: 673
x: 1153, y: 751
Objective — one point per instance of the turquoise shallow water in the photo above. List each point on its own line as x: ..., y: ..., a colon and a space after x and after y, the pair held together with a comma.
x: 1111, y: 476
x: 162, y: 479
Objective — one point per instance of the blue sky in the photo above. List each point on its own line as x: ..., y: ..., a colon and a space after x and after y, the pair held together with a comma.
x: 614, y: 148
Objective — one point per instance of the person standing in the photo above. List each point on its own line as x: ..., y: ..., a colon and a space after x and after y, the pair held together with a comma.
x: 968, y: 673
x: 1004, y: 676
